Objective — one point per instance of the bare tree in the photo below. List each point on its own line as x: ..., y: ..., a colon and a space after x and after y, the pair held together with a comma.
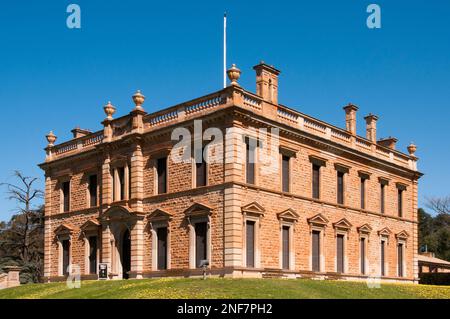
x: 440, y: 205
x: 25, y: 222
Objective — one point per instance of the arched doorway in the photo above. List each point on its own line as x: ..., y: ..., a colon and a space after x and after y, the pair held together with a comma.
x: 126, y: 254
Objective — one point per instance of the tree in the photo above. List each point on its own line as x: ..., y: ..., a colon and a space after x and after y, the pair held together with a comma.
x: 440, y: 205
x: 21, y: 239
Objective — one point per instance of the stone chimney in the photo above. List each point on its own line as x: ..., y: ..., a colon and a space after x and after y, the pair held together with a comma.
x: 267, y: 82
x: 78, y: 132
x: 388, y: 142
x: 350, y: 118
x: 371, y: 127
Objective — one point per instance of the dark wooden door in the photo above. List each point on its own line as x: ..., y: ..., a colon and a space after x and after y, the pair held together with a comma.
x: 285, y: 248
x: 250, y: 243
x: 126, y: 254
x: 316, y: 250
x: 200, y: 243
x: 93, y: 254
x: 340, y: 253
x: 66, y: 256
x: 162, y: 248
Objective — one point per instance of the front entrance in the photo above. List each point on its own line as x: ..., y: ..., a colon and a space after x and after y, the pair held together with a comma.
x: 126, y: 254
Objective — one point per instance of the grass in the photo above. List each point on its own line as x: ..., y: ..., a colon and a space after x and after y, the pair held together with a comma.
x: 225, y: 288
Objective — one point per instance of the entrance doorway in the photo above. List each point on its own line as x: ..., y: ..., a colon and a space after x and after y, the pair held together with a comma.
x: 126, y: 254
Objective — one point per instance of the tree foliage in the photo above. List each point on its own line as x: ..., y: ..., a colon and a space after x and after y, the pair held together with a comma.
x: 434, y: 232
x: 22, y: 238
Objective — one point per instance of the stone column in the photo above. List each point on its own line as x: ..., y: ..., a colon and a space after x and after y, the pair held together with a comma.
x: 106, y: 256
x: 232, y: 198
x: 106, y: 182
x: 137, y: 180
x: 137, y: 249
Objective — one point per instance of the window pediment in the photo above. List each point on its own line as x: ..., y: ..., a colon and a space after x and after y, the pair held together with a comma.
x: 159, y: 215
x: 90, y: 225
x: 64, y: 229
x: 402, y: 235
x: 288, y: 215
x: 364, y: 229
x: 253, y: 208
x: 318, y: 220
x: 198, y: 210
x: 343, y: 224
x: 386, y: 232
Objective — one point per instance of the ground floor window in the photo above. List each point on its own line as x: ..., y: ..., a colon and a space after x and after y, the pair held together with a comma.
x: 65, y: 256
x: 340, y: 253
x: 161, y: 233
x: 382, y: 258
x: 362, y: 255
x: 400, y: 259
x: 285, y: 246
x: 93, y: 254
x: 316, y: 250
x: 200, y: 243
x: 250, y: 243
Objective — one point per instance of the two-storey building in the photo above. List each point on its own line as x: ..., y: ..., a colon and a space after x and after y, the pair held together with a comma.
x: 276, y: 192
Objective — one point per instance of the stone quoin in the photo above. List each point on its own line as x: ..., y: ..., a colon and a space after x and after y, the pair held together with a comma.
x: 331, y: 205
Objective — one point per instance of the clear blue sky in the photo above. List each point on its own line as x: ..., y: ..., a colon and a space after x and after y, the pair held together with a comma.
x: 55, y: 78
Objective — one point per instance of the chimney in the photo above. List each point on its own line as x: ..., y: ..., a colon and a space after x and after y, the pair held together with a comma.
x: 78, y: 132
x: 267, y: 82
x: 388, y: 142
x: 350, y: 118
x: 371, y: 127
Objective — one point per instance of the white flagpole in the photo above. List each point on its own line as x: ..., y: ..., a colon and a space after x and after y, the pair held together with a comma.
x: 225, y: 50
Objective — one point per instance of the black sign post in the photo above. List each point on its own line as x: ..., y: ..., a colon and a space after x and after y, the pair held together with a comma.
x: 102, y: 271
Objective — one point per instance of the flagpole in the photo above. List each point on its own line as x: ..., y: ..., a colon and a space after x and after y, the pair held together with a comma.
x: 225, y: 50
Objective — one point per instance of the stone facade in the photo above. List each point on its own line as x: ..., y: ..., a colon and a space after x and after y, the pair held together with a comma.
x: 104, y: 200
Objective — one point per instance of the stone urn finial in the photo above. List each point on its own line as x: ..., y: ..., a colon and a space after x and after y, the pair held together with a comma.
x: 51, y: 138
x: 138, y: 99
x: 412, y: 148
x: 109, y: 110
x: 234, y: 74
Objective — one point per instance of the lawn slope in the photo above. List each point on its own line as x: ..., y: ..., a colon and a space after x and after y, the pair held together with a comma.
x: 225, y: 288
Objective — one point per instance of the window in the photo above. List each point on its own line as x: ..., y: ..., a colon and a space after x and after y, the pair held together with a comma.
x: 316, y: 181
x: 285, y: 173
x: 250, y: 243
x: 65, y: 256
x: 200, y: 243
x: 382, y: 257
x: 340, y: 187
x: 316, y: 250
x: 382, y: 195
x: 362, y: 255
x: 161, y: 233
x: 340, y: 253
x: 285, y: 249
x: 121, y: 174
x: 161, y: 168
x: 250, y: 162
x: 200, y: 171
x: 400, y: 260
x: 400, y: 202
x: 363, y: 193
x: 66, y: 196
x: 93, y: 198
x: 93, y: 254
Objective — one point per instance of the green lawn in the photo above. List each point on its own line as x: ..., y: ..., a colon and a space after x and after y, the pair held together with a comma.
x: 225, y: 288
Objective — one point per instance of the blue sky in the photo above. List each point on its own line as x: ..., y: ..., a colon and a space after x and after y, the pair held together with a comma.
x: 55, y: 78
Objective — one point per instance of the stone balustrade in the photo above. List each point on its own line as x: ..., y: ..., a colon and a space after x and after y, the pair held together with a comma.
x: 239, y: 97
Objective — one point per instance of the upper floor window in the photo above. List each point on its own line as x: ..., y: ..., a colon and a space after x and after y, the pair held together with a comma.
x: 285, y: 173
x: 316, y: 181
x: 400, y: 190
x: 201, y: 170
x: 66, y: 196
x: 340, y: 187
x: 363, y: 178
x: 161, y: 170
x: 383, y: 184
x: 93, y: 192
x: 250, y: 161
